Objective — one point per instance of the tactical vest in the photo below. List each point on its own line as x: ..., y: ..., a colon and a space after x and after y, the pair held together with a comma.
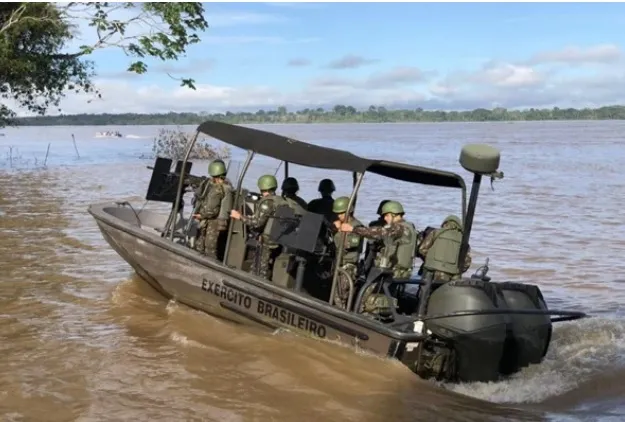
x: 352, y: 244
x: 443, y: 254
x: 294, y: 205
x: 214, y: 198
x: 399, y: 254
x: 406, y: 246
x: 227, y: 202
x: 277, y: 201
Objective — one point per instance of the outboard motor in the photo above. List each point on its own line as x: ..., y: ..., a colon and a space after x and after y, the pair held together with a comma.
x: 476, y: 340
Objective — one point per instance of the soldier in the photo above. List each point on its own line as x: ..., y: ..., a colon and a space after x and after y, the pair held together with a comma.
x: 440, y: 249
x: 400, y: 240
x: 380, y: 221
x: 265, y: 209
x: 289, y: 193
x: 324, y: 204
x: 373, y: 245
x: 216, y: 189
x: 351, y: 248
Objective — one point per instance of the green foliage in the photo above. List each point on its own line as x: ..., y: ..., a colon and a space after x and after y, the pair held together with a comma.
x: 172, y: 144
x: 35, y: 69
x: 339, y: 114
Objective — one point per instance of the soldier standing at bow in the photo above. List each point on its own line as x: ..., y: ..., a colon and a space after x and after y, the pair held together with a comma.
x: 215, y: 191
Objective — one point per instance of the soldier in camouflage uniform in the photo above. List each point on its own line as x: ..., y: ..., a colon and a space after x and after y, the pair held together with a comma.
x: 215, y: 190
x: 324, y: 204
x: 260, y: 222
x: 351, y: 249
x: 290, y: 187
x: 440, y: 249
x: 380, y: 221
x: 400, y: 242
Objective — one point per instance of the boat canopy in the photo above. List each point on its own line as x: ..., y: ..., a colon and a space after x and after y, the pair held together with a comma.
x: 297, y: 152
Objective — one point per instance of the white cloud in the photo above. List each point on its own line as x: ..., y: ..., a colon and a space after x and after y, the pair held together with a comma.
x: 602, y: 53
x: 350, y: 61
x: 509, y: 76
x: 510, y: 85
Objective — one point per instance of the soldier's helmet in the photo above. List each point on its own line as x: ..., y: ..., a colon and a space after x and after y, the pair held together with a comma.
x: 392, y: 207
x: 379, y: 211
x: 340, y: 204
x: 451, y: 221
x: 267, y: 182
x: 326, y: 186
x: 290, y: 185
x: 217, y: 168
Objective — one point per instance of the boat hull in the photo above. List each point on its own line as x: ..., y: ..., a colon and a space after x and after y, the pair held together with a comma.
x: 188, y: 277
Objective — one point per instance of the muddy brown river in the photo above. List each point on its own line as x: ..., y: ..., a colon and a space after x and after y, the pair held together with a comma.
x: 83, y: 339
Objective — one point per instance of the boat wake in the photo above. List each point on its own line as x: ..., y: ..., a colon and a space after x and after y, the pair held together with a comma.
x: 582, y: 356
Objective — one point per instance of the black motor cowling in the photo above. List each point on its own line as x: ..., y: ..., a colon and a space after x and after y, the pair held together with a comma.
x: 484, y: 347
x: 528, y: 335
x: 477, y: 340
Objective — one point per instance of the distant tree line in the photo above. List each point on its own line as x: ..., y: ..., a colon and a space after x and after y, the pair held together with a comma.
x: 338, y: 114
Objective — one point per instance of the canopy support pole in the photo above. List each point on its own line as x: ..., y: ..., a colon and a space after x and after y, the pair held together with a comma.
x: 172, y: 217
x: 468, y: 221
x: 237, y: 197
x: 339, y: 252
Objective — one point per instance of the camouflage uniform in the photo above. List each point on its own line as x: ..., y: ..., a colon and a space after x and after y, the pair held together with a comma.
x: 351, y: 251
x: 324, y: 204
x: 391, y: 235
x: 451, y: 223
x: 265, y: 209
x: 210, y: 223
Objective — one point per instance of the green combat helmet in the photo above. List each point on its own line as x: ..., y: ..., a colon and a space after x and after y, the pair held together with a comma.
x: 392, y: 207
x: 452, y: 219
x: 267, y: 182
x: 340, y: 204
x: 382, y: 203
x: 217, y: 168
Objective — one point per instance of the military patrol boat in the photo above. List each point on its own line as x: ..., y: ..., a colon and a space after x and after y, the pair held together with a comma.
x: 460, y: 331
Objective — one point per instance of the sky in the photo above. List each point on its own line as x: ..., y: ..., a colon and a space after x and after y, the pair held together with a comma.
x: 449, y: 56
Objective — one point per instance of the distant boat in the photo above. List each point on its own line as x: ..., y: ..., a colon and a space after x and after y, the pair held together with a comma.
x: 108, y: 134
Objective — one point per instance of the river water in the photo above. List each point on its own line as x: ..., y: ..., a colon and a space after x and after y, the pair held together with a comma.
x: 84, y: 339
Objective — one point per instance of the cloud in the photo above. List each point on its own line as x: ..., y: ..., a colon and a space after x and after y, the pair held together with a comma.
x: 603, y: 53
x: 299, y: 62
x: 393, y: 78
x: 350, y: 61
x: 401, y: 75
x: 493, y: 84
x: 192, y: 66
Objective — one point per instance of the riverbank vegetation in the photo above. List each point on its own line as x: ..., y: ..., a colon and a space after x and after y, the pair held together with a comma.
x: 338, y: 114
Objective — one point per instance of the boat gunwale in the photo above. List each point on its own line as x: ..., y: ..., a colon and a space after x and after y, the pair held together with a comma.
x: 97, y: 212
